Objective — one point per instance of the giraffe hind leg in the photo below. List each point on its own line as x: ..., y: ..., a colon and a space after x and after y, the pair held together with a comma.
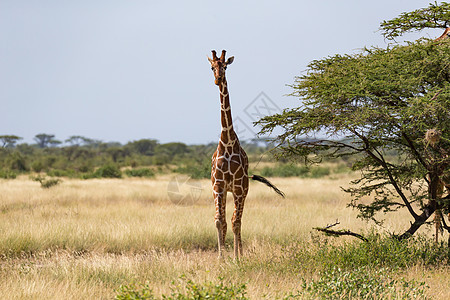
x: 236, y: 225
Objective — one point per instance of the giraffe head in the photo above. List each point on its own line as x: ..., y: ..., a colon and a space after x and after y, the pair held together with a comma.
x: 219, y: 65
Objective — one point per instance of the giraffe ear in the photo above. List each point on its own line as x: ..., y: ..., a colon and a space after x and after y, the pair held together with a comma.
x: 210, y: 60
x: 230, y: 60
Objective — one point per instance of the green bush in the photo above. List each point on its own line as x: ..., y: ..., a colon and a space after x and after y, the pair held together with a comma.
x: 362, y: 283
x: 379, y: 251
x: 84, y: 167
x: 37, y: 166
x: 108, y: 171
x: 144, y: 172
x: 17, y: 161
x: 196, y: 170
x: 7, y: 174
x: 135, y: 292
x: 191, y: 290
x: 46, y: 183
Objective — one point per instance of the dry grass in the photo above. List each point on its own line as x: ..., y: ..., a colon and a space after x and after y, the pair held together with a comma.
x: 84, y: 238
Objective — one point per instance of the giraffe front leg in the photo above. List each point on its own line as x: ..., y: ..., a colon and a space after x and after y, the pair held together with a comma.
x: 220, y: 221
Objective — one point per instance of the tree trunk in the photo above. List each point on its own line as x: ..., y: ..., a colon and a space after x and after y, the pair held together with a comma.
x: 420, y: 220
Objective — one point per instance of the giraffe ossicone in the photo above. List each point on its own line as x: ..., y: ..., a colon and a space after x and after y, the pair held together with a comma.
x: 229, y: 166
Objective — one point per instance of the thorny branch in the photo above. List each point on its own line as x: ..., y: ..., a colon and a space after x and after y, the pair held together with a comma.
x: 329, y: 231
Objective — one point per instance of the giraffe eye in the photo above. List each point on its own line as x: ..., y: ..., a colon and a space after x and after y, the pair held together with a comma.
x: 212, y: 68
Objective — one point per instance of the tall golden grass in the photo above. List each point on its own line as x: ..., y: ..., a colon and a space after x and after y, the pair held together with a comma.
x: 82, y: 239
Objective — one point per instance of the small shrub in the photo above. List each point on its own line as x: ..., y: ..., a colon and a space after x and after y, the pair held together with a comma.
x: 17, y: 161
x: 144, y: 172
x: 84, y: 168
x: 108, y: 171
x: 135, y: 292
x: 87, y: 176
x: 37, y: 166
x: 210, y: 290
x: 363, y: 283
x: 7, y: 174
x: 196, y: 171
x: 191, y: 290
x: 390, y: 252
x: 381, y: 251
x: 46, y: 183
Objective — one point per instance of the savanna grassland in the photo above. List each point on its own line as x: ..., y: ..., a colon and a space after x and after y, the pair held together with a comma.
x: 107, y: 238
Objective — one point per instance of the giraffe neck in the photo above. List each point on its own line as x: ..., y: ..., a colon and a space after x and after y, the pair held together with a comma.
x: 228, y: 136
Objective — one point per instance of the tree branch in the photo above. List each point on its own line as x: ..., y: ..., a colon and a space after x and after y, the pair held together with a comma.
x: 417, y: 156
x: 419, y: 221
x: 444, y: 224
x: 388, y: 171
x: 328, y: 231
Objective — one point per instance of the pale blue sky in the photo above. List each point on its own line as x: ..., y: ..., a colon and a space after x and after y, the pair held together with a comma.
x: 127, y: 70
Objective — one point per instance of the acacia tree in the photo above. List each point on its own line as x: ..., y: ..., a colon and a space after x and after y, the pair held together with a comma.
x: 9, y: 141
x: 44, y: 140
x: 377, y: 107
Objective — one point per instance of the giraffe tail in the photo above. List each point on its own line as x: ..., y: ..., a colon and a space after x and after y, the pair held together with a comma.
x: 268, y: 183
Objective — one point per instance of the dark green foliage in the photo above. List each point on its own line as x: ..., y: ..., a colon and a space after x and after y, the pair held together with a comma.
x: 362, y: 283
x: 16, y: 161
x: 368, y: 270
x: 191, y: 291
x: 196, y: 170
x: 117, y: 153
x: 172, y: 149
x: 108, y: 171
x: 373, y: 104
x: 143, y: 172
x: 7, y: 174
x: 434, y: 16
x: 37, y: 166
x: 381, y: 251
x: 84, y: 155
x: 135, y: 291
x: 143, y: 147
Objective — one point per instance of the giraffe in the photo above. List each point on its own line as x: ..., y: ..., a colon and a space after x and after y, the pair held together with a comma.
x: 229, y: 166
x: 432, y: 138
x: 445, y: 35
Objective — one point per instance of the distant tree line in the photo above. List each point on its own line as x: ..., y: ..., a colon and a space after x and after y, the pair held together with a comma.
x: 83, y: 157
